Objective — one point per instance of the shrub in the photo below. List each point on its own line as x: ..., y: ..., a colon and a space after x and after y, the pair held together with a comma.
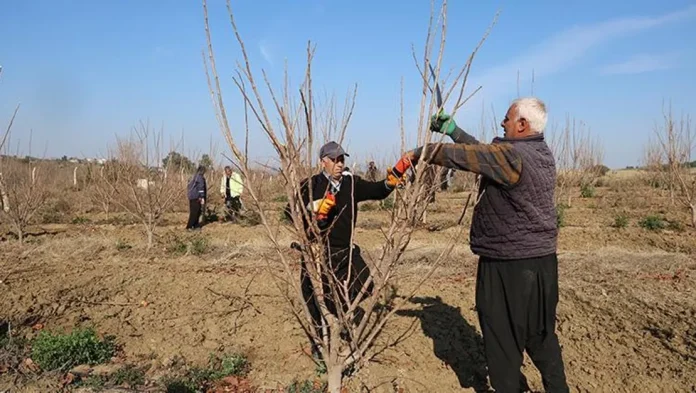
x: 122, y: 245
x: 196, y: 244
x: 560, y: 214
x: 653, y: 223
x: 177, y: 246
x: 59, y: 351
x: 80, y: 220
x: 620, y: 221
x: 587, y: 191
x: 600, y: 170
x: 199, y: 245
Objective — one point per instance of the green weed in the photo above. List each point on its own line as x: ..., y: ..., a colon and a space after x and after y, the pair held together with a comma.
x: 61, y: 351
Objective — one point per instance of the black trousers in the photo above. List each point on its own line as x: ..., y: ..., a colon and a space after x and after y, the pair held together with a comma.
x: 232, y: 207
x: 194, y: 214
x: 340, y: 263
x: 516, y: 302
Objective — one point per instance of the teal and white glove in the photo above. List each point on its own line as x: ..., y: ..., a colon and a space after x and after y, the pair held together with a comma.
x: 442, y: 123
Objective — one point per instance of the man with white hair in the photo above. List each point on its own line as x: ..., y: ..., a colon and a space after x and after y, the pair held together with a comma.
x: 514, y: 232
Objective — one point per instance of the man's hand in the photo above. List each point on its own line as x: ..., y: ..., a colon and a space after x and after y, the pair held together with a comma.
x: 405, y: 162
x: 201, y: 200
x: 442, y: 123
x: 323, y: 206
x: 393, y: 180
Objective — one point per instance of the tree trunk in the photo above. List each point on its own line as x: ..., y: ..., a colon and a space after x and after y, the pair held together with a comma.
x: 149, y: 238
x: 334, y: 375
x: 20, y: 234
x: 3, y: 194
x: 693, y: 214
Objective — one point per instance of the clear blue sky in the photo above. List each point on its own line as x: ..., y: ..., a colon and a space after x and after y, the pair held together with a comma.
x: 84, y: 71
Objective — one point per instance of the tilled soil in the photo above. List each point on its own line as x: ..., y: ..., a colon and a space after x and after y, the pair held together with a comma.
x: 626, y: 317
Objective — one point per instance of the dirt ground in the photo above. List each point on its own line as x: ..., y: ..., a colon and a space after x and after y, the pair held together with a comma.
x: 626, y: 317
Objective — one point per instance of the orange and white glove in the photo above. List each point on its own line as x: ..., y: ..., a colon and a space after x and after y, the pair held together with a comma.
x: 402, y: 166
x: 322, y: 207
x: 393, y: 180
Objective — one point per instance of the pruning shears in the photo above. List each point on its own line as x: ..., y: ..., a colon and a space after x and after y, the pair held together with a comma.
x: 438, y: 93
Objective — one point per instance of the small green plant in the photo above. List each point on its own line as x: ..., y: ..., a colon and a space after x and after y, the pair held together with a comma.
x: 620, y: 221
x: 60, y: 351
x: 195, y: 244
x: 128, y: 375
x: 179, y: 385
x: 79, y: 220
x: 305, y: 386
x: 198, y: 379
x: 653, y: 223
x: 234, y: 364
x: 199, y: 245
x: 281, y: 198
x: 122, y: 245
x: 95, y: 382
x: 177, y: 246
x: 587, y: 191
x: 560, y: 214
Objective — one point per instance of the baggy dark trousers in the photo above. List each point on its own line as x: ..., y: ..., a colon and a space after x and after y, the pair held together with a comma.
x: 232, y: 207
x: 339, y: 262
x: 516, y: 303
x: 194, y: 214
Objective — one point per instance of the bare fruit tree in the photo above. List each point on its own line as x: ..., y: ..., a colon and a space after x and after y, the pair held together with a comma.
x: 346, y: 338
x: 26, y: 192
x: 102, y: 191
x: 22, y: 187
x: 579, y: 156
x: 672, y: 157
x: 138, y: 182
x: 4, y: 198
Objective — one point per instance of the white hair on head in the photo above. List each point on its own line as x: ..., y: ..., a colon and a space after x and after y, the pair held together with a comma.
x: 533, y: 110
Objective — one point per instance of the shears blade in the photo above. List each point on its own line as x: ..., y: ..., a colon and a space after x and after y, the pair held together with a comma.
x: 438, y: 94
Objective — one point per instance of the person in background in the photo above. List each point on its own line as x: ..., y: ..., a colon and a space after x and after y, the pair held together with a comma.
x: 371, y: 174
x: 231, y: 188
x: 197, y: 194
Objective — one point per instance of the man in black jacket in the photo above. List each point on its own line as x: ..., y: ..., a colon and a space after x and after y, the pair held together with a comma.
x: 334, y: 198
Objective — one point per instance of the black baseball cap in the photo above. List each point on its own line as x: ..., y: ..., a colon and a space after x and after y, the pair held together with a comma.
x: 332, y: 150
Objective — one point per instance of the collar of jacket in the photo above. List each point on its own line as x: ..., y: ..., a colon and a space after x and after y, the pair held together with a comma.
x: 531, y: 138
x: 335, y: 184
